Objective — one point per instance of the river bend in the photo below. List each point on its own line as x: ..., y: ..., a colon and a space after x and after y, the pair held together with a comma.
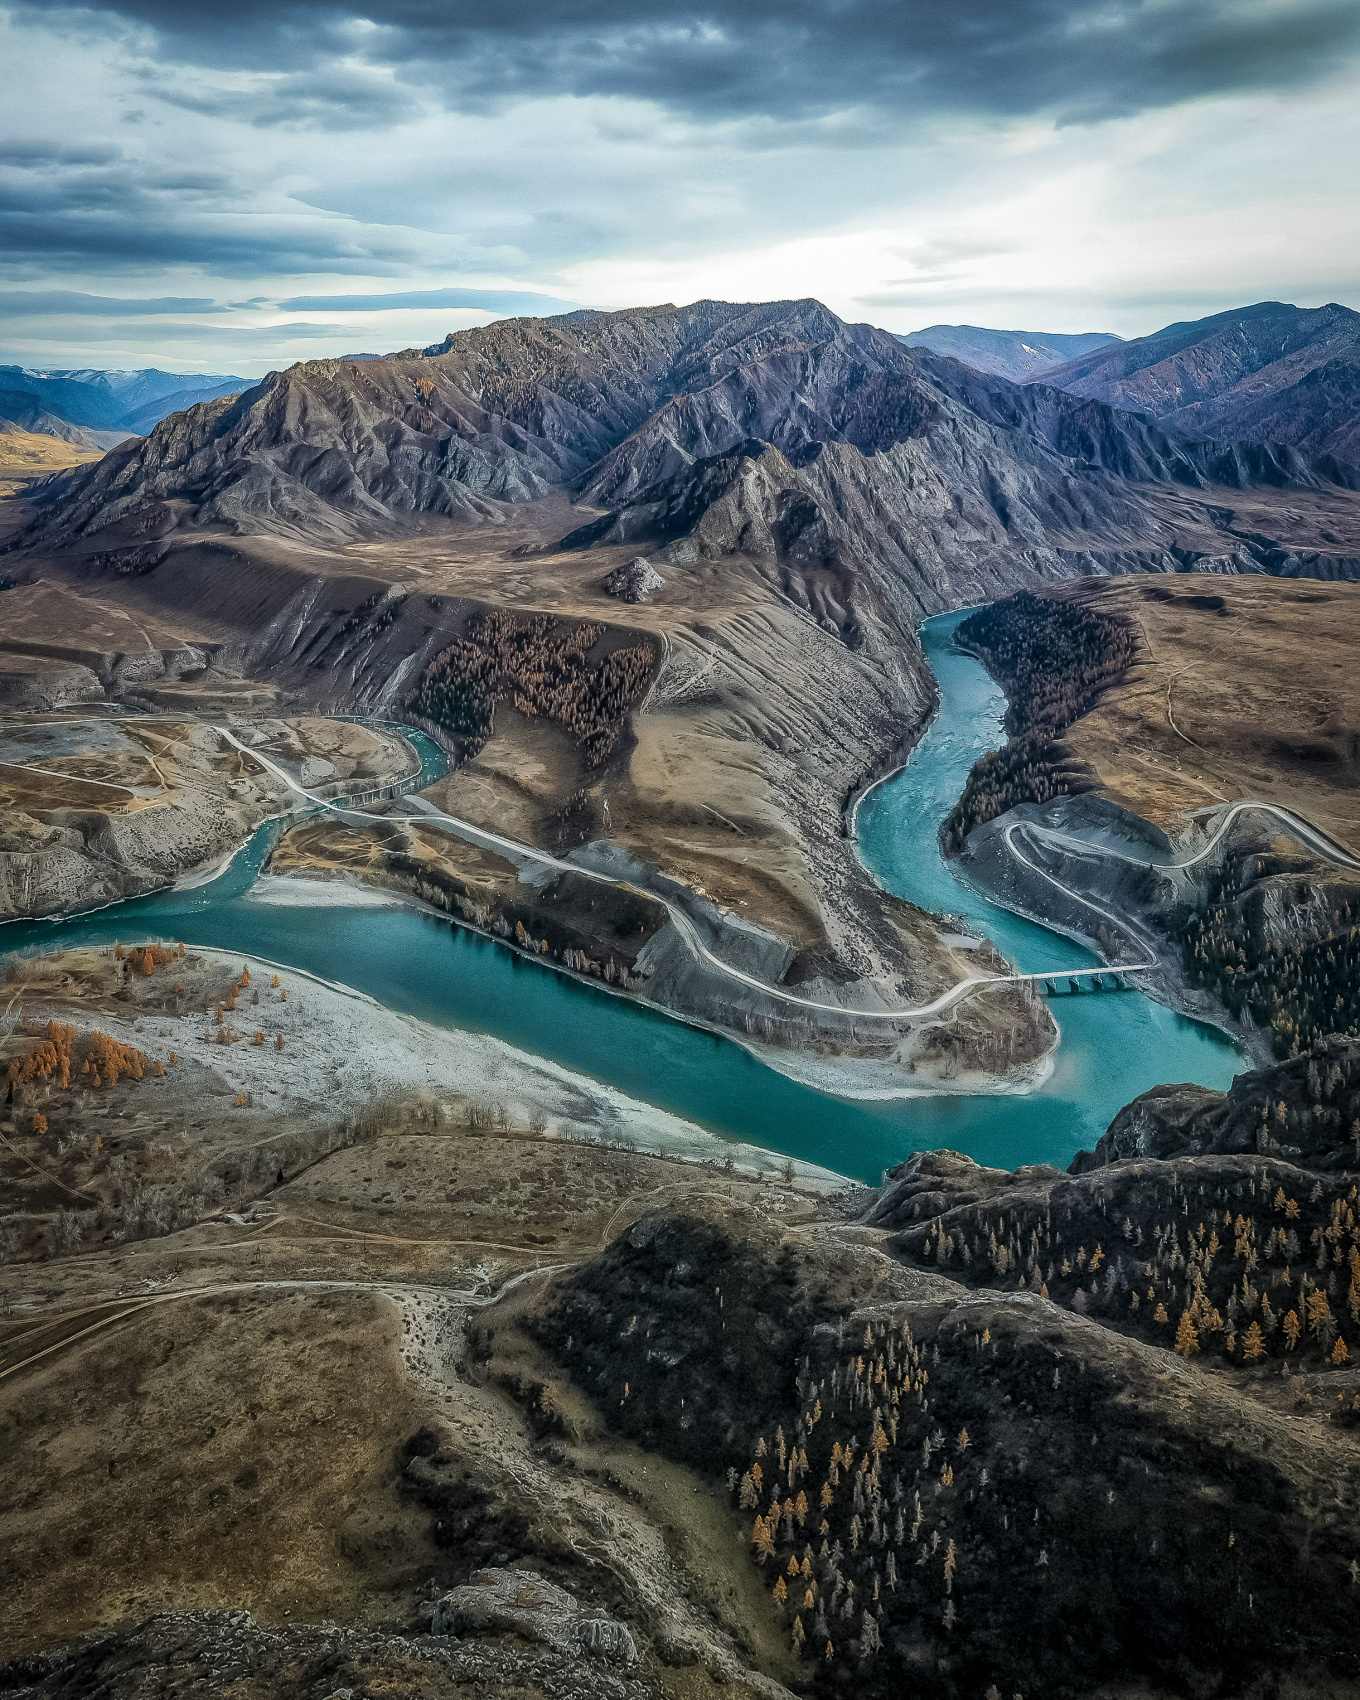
x: 1114, y: 1045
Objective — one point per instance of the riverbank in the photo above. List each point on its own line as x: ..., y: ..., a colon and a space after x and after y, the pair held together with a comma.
x: 325, y: 1054
x: 100, y: 809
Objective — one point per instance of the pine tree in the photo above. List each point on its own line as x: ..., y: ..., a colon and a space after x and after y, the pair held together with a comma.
x: 1253, y: 1344
x: 1187, y: 1336
x: 781, y: 1592
x: 1291, y: 1330
x: 1339, y: 1352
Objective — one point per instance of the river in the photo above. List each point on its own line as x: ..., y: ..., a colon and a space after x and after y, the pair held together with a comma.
x: 1114, y: 1044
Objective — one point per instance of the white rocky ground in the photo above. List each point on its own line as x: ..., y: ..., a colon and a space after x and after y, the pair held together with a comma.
x: 343, y: 1052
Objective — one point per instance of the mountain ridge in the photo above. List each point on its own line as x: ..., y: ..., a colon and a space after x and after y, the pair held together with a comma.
x: 636, y: 411
x: 1250, y: 373
x: 113, y: 402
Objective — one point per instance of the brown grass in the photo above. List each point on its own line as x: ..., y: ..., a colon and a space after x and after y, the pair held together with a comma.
x: 219, y: 1453
x: 1245, y: 688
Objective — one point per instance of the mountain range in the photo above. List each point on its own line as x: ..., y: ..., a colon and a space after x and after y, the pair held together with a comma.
x: 775, y: 430
x: 1010, y: 354
x: 1269, y: 373
x: 100, y: 408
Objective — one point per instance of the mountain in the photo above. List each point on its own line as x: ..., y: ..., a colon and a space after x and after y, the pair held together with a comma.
x: 1268, y: 373
x: 113, y: 403
x: 1009, y: 354
x: 774, y: 428
x: 21, y: 411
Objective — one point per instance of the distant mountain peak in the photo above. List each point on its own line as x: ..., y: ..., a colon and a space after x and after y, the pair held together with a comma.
x: 114, y: 402
x: 1009, y: 354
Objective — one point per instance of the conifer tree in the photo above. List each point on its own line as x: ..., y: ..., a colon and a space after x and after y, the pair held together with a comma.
x: 1187, y: 1336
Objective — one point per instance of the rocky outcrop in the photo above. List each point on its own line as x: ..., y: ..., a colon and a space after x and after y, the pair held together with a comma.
x: 200, y: 1655
x: 1168, y: 1121
x: 520, y: 1602
x: 635, y: 582
x: 931, y: 1182
x: 1306, y: 1109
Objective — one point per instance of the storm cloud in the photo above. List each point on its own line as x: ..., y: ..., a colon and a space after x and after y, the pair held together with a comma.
x: 777, y: 60
x: 425, y: 165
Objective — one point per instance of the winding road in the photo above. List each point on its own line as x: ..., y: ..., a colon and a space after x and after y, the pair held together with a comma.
x: 429, y: 815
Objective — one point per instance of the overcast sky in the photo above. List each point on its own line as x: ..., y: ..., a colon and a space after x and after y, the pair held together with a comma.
x: 230, y: 187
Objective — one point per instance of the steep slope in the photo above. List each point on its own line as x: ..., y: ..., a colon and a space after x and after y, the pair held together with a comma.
x: 622, y: 408
x: 940, y: 483
x: 505, y: 414
x: 1267, y: 373
x: 1008, y: 354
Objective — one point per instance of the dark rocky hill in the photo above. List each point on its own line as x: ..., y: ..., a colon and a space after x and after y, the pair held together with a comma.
x: 1268, y: 373
x: 1010, y: 354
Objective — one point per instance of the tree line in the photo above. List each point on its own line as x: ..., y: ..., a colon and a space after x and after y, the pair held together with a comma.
x: 1053, y: 659
x: 546, y: 669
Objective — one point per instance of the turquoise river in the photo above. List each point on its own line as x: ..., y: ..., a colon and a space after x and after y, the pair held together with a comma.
x: 1114, y: 1044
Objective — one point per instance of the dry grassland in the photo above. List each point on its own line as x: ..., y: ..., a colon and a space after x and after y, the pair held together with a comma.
x: 1245, y: 688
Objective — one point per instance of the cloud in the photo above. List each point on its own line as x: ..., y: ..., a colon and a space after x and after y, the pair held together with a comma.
x: 50, y: 303
x: 128, y: 215
x: 777, y: 60
x: 508, y: 303
x: 441, y: 164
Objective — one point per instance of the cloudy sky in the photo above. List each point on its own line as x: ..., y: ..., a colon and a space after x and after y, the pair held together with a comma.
x: 230, y: 187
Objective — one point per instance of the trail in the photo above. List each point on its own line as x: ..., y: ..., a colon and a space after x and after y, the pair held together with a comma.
x: 395, y: 1290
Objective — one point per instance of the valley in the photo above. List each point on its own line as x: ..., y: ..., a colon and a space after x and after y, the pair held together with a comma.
x: 639, y: 1012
